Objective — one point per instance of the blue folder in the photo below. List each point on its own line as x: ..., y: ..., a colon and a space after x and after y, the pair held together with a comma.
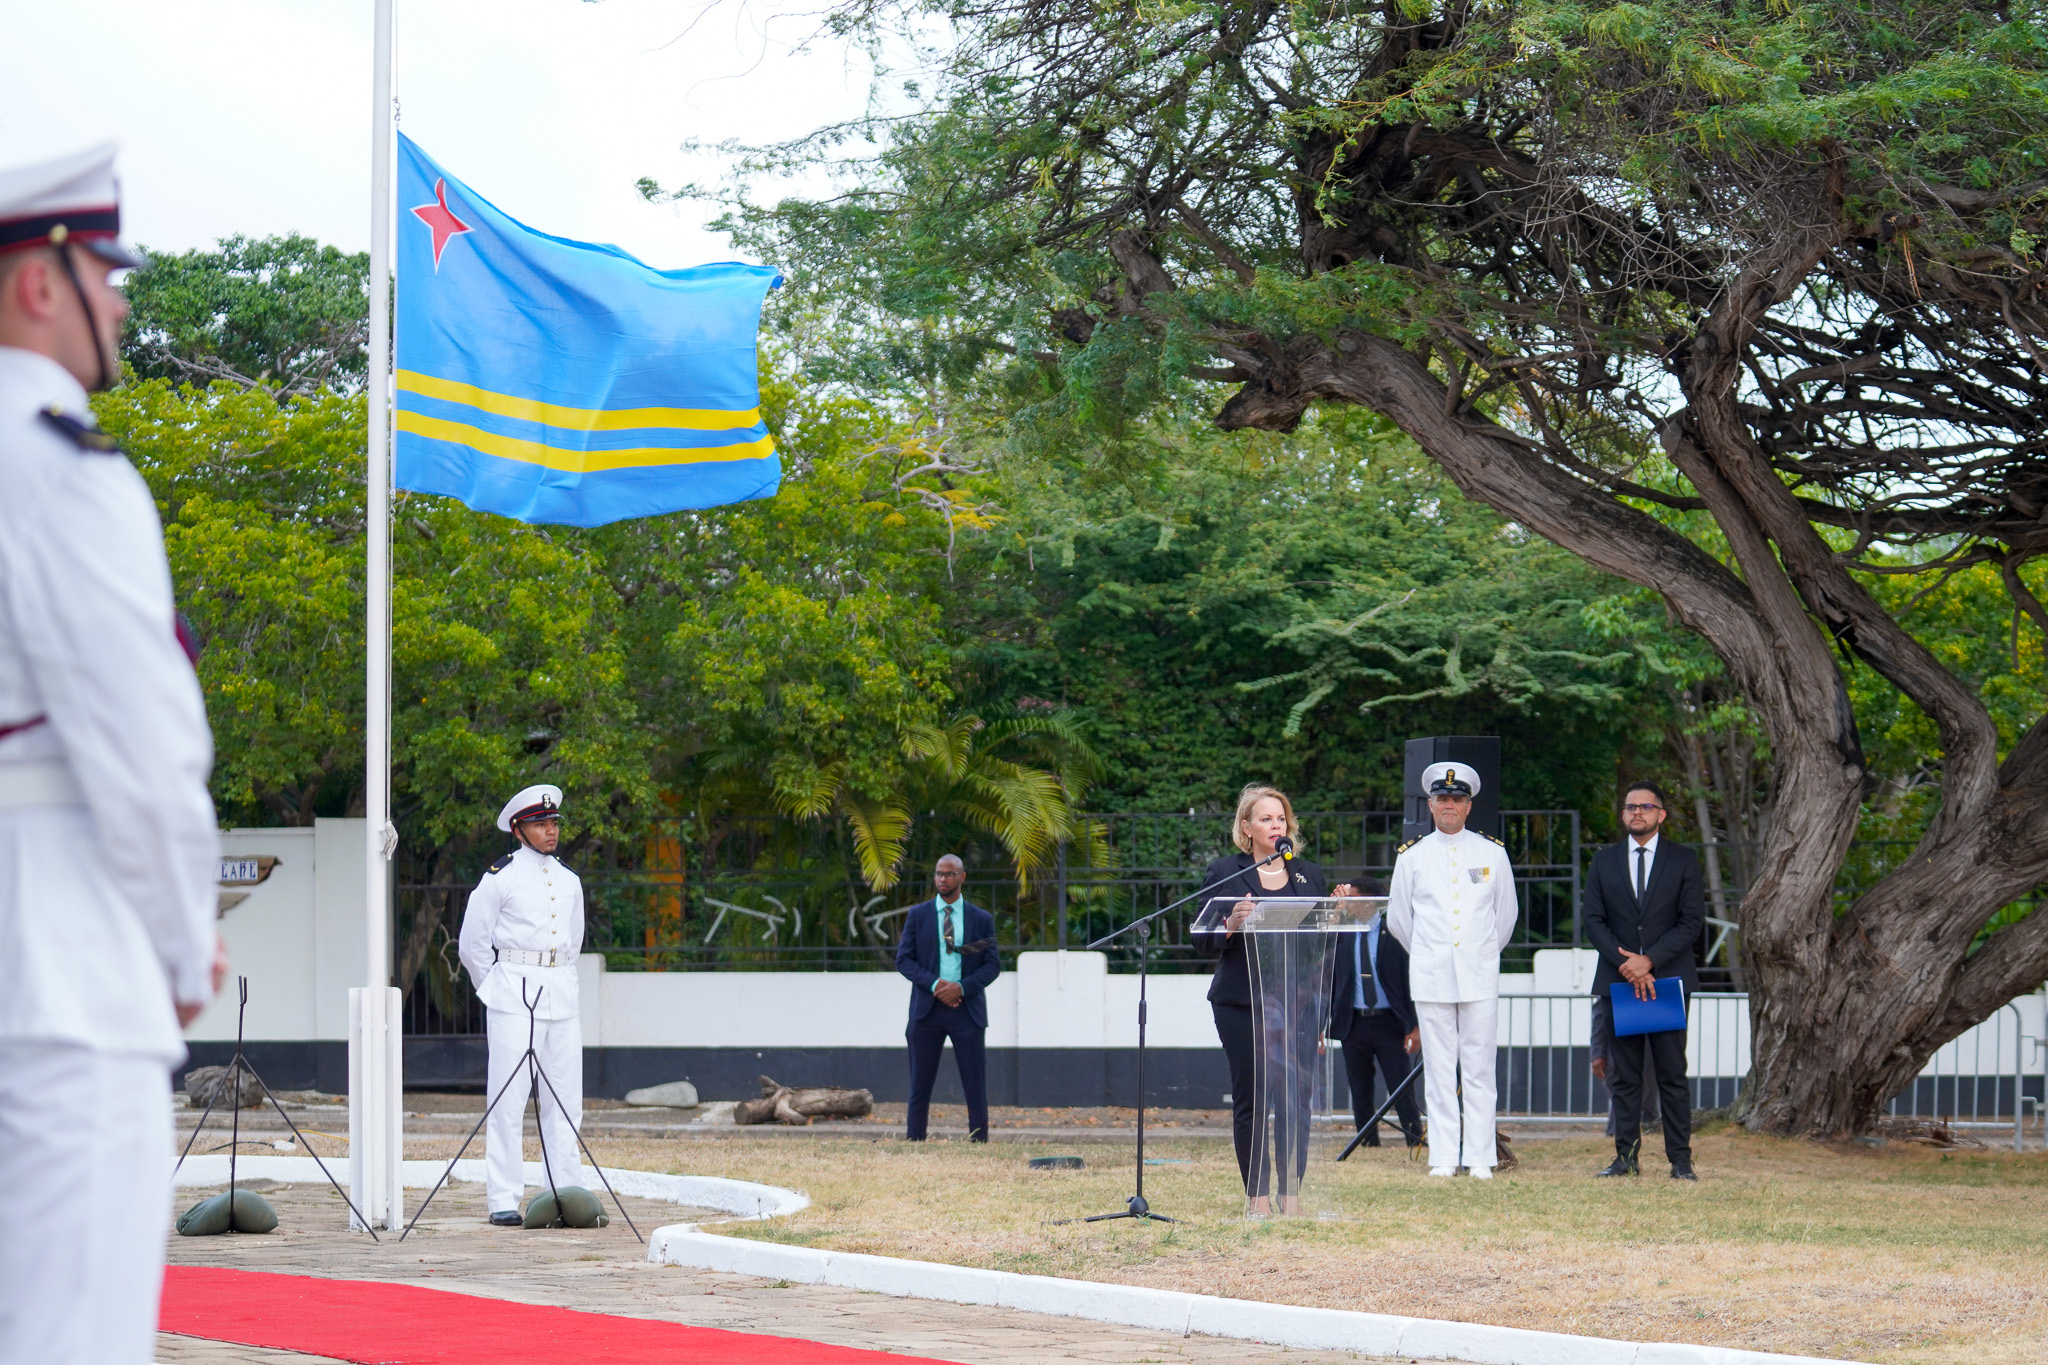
x: 1632, y: 1016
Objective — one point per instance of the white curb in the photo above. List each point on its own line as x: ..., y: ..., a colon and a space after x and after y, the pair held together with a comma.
x: 741, y: 1198
x: 1170, y: 1310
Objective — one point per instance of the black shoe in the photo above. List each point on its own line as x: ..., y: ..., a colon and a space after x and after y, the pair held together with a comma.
x: 1371, y: 1142
x: 1621, y: 1165
x: 1682, y: 1170
x: 508, y: 1218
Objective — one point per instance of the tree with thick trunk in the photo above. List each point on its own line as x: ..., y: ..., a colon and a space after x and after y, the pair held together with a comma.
x: 1741, y: 303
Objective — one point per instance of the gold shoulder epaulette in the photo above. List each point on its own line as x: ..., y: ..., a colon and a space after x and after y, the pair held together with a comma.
x: 502, y: 863
x: 1405, y: 847
x: 1484, y: 835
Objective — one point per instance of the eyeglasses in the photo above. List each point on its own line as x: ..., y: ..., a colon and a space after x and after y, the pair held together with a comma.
x: 1632, y: 808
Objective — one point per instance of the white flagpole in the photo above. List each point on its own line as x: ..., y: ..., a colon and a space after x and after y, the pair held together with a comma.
x: 375, y: 1058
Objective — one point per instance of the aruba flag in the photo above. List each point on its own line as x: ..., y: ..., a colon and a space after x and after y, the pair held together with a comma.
x: 565, y: 382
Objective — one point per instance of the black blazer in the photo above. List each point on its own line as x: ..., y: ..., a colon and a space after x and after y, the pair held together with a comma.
x: 917, y: 957
x: 1233, y: 983
x: 1393, y: 977
x: 1666, y: 926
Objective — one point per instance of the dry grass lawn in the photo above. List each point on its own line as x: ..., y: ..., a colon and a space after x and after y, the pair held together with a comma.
x: 1899, y: 1254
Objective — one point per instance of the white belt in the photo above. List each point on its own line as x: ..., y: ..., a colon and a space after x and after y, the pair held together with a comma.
x: 524, y: 957
x: 48, y: 782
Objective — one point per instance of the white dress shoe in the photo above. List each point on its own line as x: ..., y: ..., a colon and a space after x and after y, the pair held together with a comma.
x: 1480, y: 1172
x: 1443, y: 1172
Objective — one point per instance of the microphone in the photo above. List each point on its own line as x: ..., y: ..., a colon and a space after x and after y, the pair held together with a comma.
x: 1284, y: 846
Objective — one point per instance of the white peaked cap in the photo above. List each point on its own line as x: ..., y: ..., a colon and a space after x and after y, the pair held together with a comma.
x: 72, y: 198
x: 1463, y: 773
x: 542, y: 799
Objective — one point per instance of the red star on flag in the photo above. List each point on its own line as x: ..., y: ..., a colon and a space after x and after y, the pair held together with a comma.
x: 440, y: 220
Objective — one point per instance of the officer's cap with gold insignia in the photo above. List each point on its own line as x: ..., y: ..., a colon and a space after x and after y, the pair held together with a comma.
x: 541, y: 802
x: 1450, y: 779
x: 72, y: 199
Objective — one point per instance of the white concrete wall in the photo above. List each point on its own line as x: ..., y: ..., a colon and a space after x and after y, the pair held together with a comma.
x: 1069, y: 1000
x: 299, y: 938
x: 1048, y: 1000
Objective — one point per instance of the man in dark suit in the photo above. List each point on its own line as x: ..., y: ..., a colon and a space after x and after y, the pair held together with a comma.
x: 948, y: 950
x: 1644, y: 910
x: 1373, y: 1017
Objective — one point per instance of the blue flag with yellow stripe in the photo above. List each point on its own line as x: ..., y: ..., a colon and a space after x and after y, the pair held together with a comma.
x: 565, y: 382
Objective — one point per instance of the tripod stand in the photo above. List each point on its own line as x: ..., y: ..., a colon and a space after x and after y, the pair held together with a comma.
x: 1135, y: 1206
x: 231, y: 1076
x: 536, y: 1078
x: 1381, y: 1112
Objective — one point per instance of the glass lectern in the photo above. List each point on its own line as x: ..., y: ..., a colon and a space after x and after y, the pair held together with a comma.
x: 1291, y: 950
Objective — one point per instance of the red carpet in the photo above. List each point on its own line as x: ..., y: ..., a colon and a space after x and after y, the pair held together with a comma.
x: 397, y: 1324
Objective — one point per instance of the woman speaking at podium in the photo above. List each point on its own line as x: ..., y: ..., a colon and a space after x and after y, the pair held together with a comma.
x: 1264, y: 817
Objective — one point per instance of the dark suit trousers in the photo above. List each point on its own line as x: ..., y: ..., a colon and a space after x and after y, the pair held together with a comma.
x: 1625, y: 1079
x: 1377, y: 1038
x: 927, y: 1038
x: 1603, y: 1047
x: 1234, y: 1031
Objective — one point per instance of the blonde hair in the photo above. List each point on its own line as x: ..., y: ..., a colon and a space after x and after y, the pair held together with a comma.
x: 1250, y: 797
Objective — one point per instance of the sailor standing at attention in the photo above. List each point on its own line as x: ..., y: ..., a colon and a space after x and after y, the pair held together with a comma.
x: 521, y: 935
x: 1452, y: 906
x: 109, y: 851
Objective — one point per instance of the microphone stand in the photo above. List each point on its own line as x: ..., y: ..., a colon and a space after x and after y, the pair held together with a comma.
x: 1414, y: 1070
x: 1135, y: 1206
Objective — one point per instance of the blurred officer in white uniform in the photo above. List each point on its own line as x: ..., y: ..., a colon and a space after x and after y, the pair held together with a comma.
x: 1452, y: 906
x: 109, y: 854
x: 521, y: 935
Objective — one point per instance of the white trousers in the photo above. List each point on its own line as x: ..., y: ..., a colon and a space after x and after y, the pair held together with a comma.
x: 85, y: 1179
x: 1458, y: 1043
x: 559, y: 1045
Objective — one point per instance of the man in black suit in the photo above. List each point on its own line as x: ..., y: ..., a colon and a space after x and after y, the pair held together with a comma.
x: 1644, y: 910
x: 1372, y: 1015
x: 948, y: 950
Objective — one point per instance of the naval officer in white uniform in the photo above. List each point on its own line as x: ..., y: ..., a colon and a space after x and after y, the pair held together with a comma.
x: 109, y: 854
x: 521, y: 934
x: 1452, y: 906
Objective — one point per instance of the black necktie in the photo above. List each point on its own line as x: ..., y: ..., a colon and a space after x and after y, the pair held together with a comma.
x: 1641, y: 852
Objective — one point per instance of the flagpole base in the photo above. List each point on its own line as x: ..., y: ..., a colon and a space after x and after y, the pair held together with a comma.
x: 376, y: 1105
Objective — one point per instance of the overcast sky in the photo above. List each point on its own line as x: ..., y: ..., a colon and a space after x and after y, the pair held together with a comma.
x: 253, y: 116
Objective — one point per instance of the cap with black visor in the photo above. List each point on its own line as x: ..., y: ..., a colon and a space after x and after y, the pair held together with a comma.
x: 72, y: 202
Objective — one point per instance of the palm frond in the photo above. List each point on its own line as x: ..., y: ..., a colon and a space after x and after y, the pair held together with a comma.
x: 879, y: 829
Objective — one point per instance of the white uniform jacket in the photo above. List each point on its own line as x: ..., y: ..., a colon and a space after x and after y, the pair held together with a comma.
x: 1452, y: 906
x: 528, y: 902
x: 109, y: 850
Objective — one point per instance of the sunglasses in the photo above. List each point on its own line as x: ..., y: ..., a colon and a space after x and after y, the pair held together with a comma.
x: 1632, y: 808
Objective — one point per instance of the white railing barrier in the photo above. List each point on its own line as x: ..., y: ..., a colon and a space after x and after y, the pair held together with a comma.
x: 1545, y: 1074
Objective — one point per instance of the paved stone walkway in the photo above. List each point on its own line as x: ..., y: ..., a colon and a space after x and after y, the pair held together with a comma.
x: 603, y: 1270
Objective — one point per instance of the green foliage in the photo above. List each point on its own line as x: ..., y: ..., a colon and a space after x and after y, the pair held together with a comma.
x: 1201, y: 620
x: 283, y: 314
x: 1020, y: 782
x: 262, y: 509
x: 1971, y: 626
